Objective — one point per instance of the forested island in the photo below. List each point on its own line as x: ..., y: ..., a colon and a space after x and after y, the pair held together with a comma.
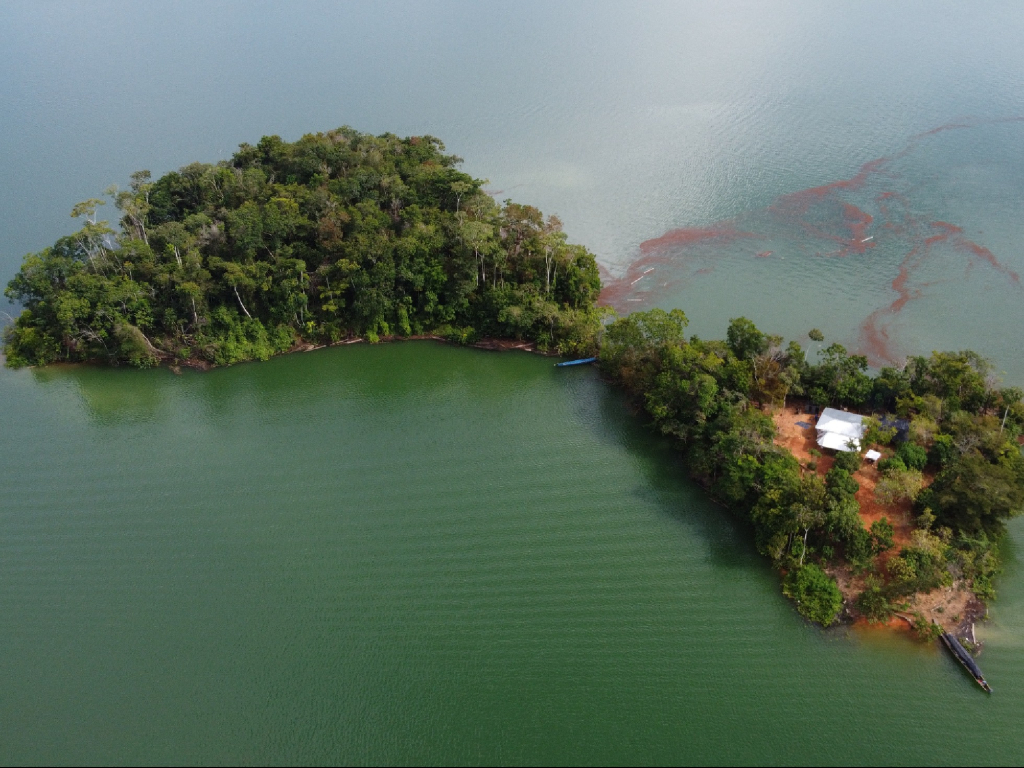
x: 946, y: 487
x: 343, y: 236
x: 337, y: 235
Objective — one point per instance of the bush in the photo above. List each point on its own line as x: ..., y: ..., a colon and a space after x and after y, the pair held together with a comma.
x: 872, y: 602
x: 848, y: 460
x: 875, y: 433
x: 840, y: 483
x: 816, y: 594
x: 134, y: 347
x: 942, y: 450
x: 858, y: 548
x: 913, y: 456
x: 881, y: 536
x: 897, y: 486
x: 978, y: 559
x: 28, y: 345
x: 917, y: 570
x: 895, y: 464
x: 923, y: 428
x: 926, y: 630
x: 842, y: 518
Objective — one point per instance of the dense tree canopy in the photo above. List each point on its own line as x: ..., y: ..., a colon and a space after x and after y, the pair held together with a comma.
x: 343, y: 234
x: 334, y: 235
x: 710, y: 396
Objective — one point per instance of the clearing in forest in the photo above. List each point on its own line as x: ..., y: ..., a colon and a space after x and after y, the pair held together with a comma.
x: 947, y: 606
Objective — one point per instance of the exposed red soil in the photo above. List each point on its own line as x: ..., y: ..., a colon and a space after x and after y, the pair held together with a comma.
x: 953, y: 608
x: 802, y: 440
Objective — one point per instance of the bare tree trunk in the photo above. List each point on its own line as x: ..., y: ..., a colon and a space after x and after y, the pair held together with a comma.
x: 240, y: 302
x: 140, y: 228
x: 804, y: 553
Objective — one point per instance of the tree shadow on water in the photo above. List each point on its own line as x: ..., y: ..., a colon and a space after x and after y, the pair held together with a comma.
x: 613, y: 420
x: 111, y: 395
x: 375, y: 375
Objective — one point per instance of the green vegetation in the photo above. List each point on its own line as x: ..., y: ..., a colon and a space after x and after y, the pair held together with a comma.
x: 710, y: 398
x: 343, y: 234
x: 873, y: 602
x: 898, y: 485
x: 816, y: 594
x: 335, y: 235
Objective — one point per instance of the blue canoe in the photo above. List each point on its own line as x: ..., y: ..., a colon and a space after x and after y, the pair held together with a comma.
x: 584, y: 361
x: 961, y: 655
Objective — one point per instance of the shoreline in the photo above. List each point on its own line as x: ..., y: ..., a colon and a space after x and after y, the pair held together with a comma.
x: 487, y: 344
x: 963, y: 628
x: 930, y: 606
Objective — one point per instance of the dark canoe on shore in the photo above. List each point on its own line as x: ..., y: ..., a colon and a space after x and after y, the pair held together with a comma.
x: 965, y: 658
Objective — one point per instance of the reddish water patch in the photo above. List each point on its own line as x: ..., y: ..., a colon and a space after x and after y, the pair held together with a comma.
x: 857, y: 221
x: 798, y: 203
x: 941, y: 128
x: 945, y: 230
x: 985, y: 254
x: 955, y: 235
x: 685, y: 236
x: 640, y: 273
x: 796, y: 209
x: 892, y: 205
x: 822, y: 219
x: 875, y: 342
x: 654, y: 254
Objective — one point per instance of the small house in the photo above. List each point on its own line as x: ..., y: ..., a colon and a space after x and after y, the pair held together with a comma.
x: 839, y: 430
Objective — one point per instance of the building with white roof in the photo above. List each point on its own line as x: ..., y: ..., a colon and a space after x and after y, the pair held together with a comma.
x: 839, y: 430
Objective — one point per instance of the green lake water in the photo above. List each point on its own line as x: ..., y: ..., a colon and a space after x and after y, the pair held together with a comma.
x: 420, y: 553
x: 416, y: 553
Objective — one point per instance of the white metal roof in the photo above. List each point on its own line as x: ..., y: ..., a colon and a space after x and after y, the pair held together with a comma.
x: 841, y: 422
x: 837, y: 442
x: 872, y: 455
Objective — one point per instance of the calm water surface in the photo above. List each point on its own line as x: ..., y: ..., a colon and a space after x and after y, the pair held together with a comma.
x: 414, y: 553
x: 417, y: 553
